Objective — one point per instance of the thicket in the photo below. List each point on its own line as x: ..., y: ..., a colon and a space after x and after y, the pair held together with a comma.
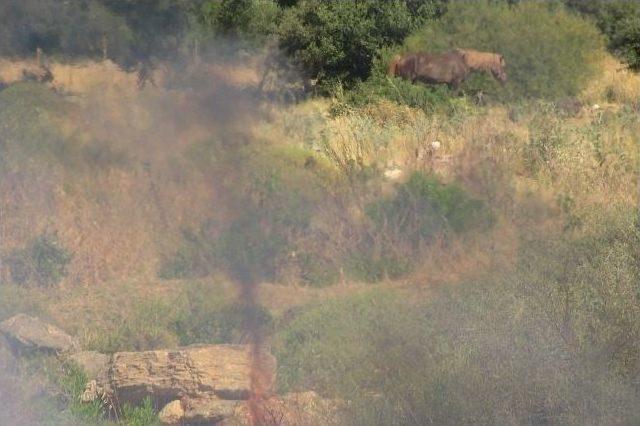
x: 337, y: 42
x: 619, y: 20
x: 556, y: 342
x: 550, y: 53
x: 71, y: 28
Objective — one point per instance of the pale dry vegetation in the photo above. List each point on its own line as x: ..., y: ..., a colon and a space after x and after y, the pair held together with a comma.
x: 124, y: 177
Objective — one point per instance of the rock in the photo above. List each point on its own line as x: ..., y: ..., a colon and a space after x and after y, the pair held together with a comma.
x: 26, y: 333
x: 93, y: 364
x: 92, y: 392
x: 172, y: 413
x: 196, y: 372
x: 393, y: 174
x: 293, y: 409
x: 209, y: 411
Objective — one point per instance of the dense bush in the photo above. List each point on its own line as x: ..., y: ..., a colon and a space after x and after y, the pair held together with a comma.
x: 424, y: 207
x: 43, y: 262
x: 549, y: 52
x: 554, y: 343
x: 66, y: 28
x: 403, y: 226
x: 620, y: 21
x: 250, y: 20
x: 337, y: 41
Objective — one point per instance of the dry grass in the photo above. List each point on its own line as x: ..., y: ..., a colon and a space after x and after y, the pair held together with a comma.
x: 118, y: 221
x: 616, y: 85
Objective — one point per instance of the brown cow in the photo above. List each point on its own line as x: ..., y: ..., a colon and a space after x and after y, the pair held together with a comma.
x: 485, y: 61
x: 448, y: 68
x: 451, y: 68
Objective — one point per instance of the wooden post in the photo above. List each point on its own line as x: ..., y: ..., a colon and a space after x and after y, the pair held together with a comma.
x: 104, y: 48
x: 38, y: 56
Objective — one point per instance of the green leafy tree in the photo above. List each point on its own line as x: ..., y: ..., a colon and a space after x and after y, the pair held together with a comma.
x: 66, y: 28
x: 338, y: 40
x: 159, y: 26
x: 620, y: 21
x: 244, y: 20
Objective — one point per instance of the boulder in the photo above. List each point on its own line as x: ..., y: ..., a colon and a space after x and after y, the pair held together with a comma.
x: 25, y: 334
x: 209, y: 410
x: 293, y: 409
x: 94, y: 364
x: 172, y: 413
x: 204, y: 372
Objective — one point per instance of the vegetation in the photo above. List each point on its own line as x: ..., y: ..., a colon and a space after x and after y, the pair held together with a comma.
x: 553, y: 58
x: 432, y: 257
x: 453, y: 359
x: 43, y: 262
x: 619, y: 20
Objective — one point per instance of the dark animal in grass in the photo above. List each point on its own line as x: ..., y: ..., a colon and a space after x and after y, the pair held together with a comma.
x: 450, y: 68
x: 444, y: 68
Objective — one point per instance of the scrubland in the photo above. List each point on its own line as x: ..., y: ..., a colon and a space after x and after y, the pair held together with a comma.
x: 467, y: 264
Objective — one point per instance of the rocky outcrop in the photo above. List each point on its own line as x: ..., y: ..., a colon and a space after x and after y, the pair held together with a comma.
x: 203, y: 383
x: 294, y: 409
x: 172, y: 413
x: 26, y: 334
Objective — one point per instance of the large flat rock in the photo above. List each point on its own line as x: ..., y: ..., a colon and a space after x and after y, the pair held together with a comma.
x: 25, y: 334
x: 208, y: 372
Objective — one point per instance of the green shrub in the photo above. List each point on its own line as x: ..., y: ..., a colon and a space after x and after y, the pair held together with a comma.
x: 549, y: 52
x: 404, y: 225
x: 506, y: 350
x: 424, y: 207
x: 61, y: 28
x: 589, y: 288
x: 620, y: 21
x: 250, y: 20
x: 337, y: 41
x: 43, y: 262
